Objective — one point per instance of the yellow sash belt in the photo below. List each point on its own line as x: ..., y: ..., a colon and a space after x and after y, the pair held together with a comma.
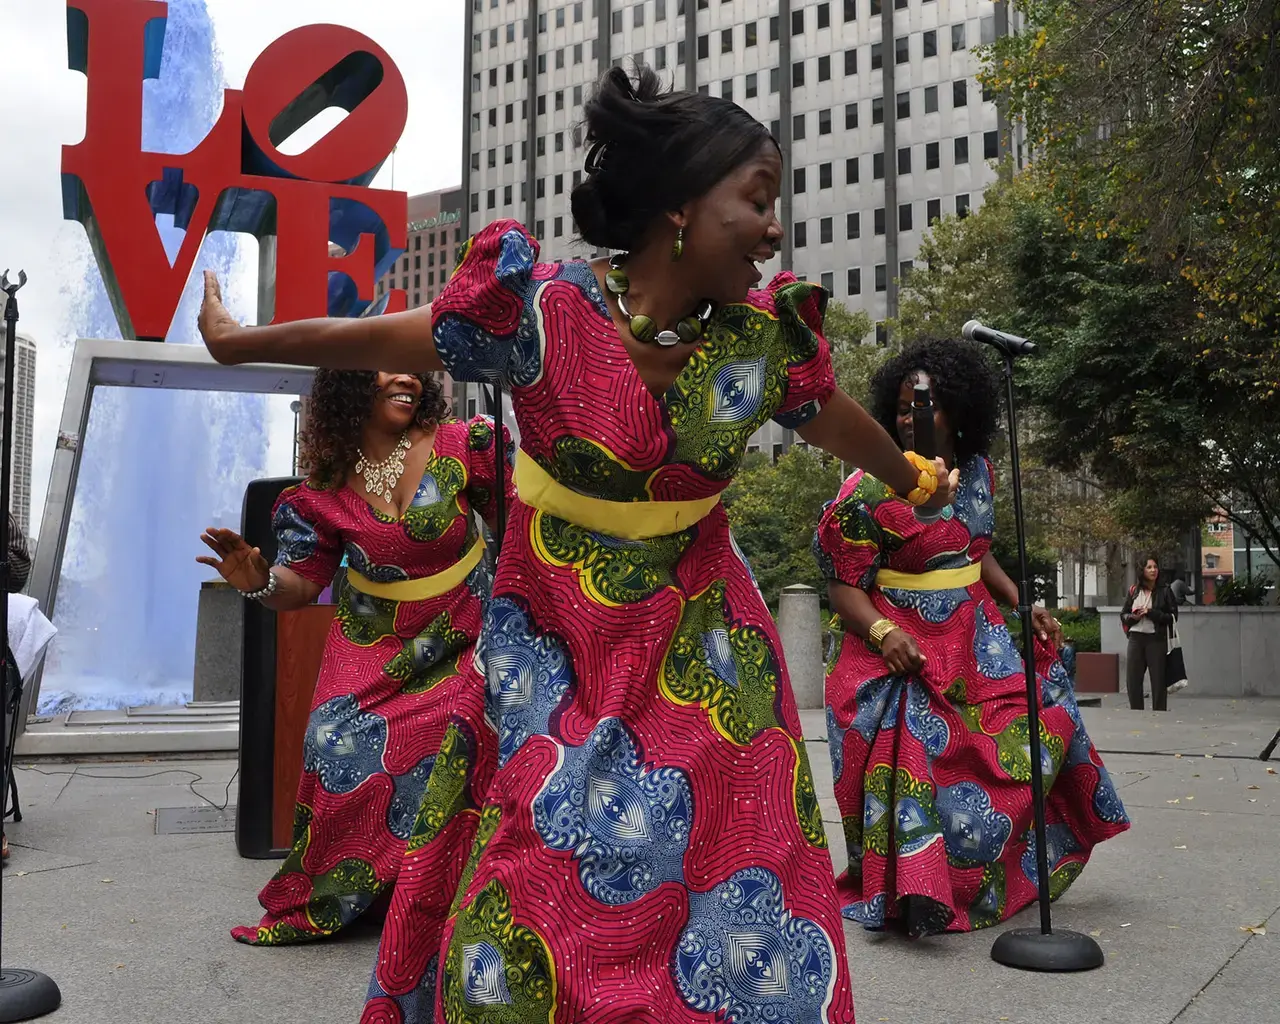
x: 630, y: 520
x: 938, y: 579
x: 424, y: 588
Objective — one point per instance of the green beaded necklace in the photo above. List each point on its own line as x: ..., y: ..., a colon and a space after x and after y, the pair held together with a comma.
x: 688, y: 330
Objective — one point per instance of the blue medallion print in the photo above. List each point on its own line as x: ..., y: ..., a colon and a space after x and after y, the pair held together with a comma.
x: 1059, y: 841
x: 527, y: 673
x: 626, y: 825
x: 428, y: 492
x: 914, y: 829
x: 868, y: 913
x: 993, y: 647
x: 343, y: 745
x: 719, y: 655
x: 737, y: 391
x: 296, y: 539
x: 358, y: 559
x: 744, y: 956
x: 835, y: 743
x: 798, y: 417
x: 877, y: 703
x: 417, y: 1006
x: 484, y: 976
x: 972, y: 828
x: 933, y: 605
x: 923, y: 723
x: 974, y: 505
x: 407, y: 798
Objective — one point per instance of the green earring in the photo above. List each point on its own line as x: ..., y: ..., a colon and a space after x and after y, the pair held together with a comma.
x: 677, y: 250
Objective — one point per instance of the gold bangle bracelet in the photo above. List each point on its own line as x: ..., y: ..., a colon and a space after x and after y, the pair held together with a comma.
x: 880, y: 629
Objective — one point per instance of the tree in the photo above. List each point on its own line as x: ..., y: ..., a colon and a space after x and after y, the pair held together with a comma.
x: 774, y: 509
x: 854, y: 361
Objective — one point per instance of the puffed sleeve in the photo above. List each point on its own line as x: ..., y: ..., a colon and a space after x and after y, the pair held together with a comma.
x: 481, y: 323
x: 811, y: 379
x: 849, y: 544
x: 482, y: 478
x: 306, y: 540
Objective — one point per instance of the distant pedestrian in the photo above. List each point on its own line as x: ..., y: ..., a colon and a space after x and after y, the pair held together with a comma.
x: 1147, y: 618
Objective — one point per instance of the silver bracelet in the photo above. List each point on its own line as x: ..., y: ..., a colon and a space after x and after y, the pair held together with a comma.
x: 273, y: 581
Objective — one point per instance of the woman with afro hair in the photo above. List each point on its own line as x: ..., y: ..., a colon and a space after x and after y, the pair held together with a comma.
x: 926, y: 696
x: 397, y: 756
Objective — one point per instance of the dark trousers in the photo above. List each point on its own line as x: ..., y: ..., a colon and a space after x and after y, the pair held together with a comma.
x: 1147, y: 653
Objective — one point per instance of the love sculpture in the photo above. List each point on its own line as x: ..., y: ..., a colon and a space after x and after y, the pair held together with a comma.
x: 237, y: 179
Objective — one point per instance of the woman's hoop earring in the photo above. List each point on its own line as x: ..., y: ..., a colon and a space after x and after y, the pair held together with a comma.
x: 677, y: 250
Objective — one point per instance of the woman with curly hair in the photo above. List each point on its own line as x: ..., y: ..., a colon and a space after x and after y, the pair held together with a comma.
x: 926, y: 695
x: 396, y: 753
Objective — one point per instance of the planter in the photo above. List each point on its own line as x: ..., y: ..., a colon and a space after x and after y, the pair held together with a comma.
x: 1097, y: 673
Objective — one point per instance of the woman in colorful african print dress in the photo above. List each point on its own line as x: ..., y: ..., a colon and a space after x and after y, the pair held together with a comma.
x: 651, y: 847
x: 926, y: 698
x: 398, y: 710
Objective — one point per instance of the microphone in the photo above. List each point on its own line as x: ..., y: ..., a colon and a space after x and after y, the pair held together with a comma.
x: 923, y: 441
x: 1010, y: 344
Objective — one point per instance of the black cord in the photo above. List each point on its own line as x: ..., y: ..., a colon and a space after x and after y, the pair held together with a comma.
x: 191, y: 784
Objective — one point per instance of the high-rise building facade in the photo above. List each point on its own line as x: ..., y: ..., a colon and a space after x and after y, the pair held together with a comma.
x: 435, y: 234
x: 24, y: 406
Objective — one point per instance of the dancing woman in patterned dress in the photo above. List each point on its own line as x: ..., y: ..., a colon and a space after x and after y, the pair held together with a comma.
x: 397, y: 720
x: 926, y: 698
x: 651, y: 848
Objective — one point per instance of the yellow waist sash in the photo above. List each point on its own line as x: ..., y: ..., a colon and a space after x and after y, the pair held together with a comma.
x: 938, y: 579
x: 630, y: 520
x: 424, y: 588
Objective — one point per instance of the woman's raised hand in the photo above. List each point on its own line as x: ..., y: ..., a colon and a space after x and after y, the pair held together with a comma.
x: 239, y: 564
x: 218, y: 327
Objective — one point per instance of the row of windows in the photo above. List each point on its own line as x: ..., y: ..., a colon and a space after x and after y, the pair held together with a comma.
x: 932, y: 161
x: 853, y: 222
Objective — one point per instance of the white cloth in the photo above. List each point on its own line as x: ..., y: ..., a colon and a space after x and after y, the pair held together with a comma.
x: 1142, y: 599
x: 29, y: 632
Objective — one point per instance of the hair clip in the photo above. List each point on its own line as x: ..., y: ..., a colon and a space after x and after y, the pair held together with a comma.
x: 596, y: 157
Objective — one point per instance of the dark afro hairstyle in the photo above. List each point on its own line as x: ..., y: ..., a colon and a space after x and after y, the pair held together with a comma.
x: 964, y: 385
x: 341, y: 401
x: 650, y: 151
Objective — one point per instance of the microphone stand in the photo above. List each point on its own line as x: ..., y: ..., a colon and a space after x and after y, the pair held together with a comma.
x: 23, y: 994
x: 1028, y: 948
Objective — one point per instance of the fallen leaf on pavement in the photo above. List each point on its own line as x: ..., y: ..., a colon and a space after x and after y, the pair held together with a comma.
x: 1183, y: 847
x: 1253, y: 787
x: 108, y: 881
x: 1254, y: 929
x: 1271, y: 771
x: 1175, y: 800
x: 1126, y: 925
x: 1096, y: 932
x: 19, y: 874
x: 1208, y: 756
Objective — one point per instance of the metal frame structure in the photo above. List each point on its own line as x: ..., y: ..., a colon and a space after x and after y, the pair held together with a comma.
x: 98, y: 363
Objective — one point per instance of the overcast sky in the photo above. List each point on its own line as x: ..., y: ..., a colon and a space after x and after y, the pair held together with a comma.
x: 42, y: 108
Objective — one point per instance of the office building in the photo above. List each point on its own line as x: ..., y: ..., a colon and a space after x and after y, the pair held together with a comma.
x: 24, y: 406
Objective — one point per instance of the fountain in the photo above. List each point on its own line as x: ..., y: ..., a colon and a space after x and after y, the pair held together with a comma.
x: 158, y: 466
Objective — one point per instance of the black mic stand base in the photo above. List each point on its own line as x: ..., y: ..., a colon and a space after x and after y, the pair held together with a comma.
x: 25, y: 995
x: 1030, y: 949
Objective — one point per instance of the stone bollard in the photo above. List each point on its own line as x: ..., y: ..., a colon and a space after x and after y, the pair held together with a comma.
x: 219, y: 635
x: 800, y: 627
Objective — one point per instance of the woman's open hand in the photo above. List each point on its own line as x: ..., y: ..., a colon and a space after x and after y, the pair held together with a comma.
x: 239, y: 564
x: 218, y: 328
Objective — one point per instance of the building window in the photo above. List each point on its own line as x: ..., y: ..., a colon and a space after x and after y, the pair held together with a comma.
x: 824, y: 176
x: 797, y: 178
x: 824, y: 68
x: 493, y: 38
x: 882, y: 332
x: 850, y: 116
x: 877, y: 166
x: 960, y: 93
x: 904, y: 160
x: 659, y: 10
x: 475, y: 82
x: 541, y: 147
x: 931, y: 99
x: 750, y: 39
x: 726, y: 89
x: 877, y: 221
x: 752, y: 89
x: 559, y: 226
x: 853, y: 282
x: 704, y: 47
x: 557, y: 185
x: 904, y: 217
x: 875, y: 8
x: 962, y: 205
x: 577, y: 53
x: 511, y: 32
x: 559, y: 58
x: 637, y: 16
x: 801, y: 231
x: 904, y: 271
x: 773, y: 29
x: 493, y: 118
x: 990, y: 145
x: 851, y: 171
x: 493, y: 77
x: 559, y: 142
x: 797, y: 127
x: 877, y: 56
x: 493, y: 158
x: 852, y: 225
x: 904, y: 105
x: 659, y: 60
x: 475, y: 121
x: 850, y: 62
x: 987, y: 30
x: 797, y: 74
x: 850, y: 10
x: 542, y: 63
x: 491, y: 199
x: 824, y: 19
x: 824, y: 122
x: 825, y: 234
x: 542, y: 22
x: 931, y: 43
x: 957, y: 37
x: 881, y: 283
x: 726, y: 39
x: 506, y: 195
x: 962, y: 149
x: 933, y: 210
x: 680, y: 52
x: 877, y: 110
x: 931, y: 160
x: 577, y: 91
x: 475, y: 161
x: 541, y: 104
x: 507, y: 154
x: 797, y: 22
x: 559, y: 99
x: 540, y: 189
x: 773, y: 80
x: 475, y: 202
x: 901, y: 51
x: 775, y: 129
x: 615, y: 21
x: 540, y: 229
x: 577, y: 10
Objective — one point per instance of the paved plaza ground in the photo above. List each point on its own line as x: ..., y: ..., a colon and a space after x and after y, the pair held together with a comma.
x: 133, y: 925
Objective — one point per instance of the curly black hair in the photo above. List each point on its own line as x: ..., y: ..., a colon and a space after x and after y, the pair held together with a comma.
x: 964, y: 385
x: 340, y: 403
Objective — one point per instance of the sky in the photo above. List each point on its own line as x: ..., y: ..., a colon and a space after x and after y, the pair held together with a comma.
x: 42, y: 108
